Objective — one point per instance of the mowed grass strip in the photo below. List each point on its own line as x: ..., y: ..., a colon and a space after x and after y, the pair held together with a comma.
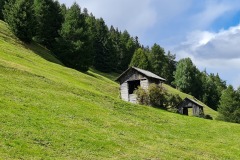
x: 48, y: 111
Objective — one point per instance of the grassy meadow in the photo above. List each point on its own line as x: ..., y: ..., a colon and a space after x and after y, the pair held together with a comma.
x: 48, y: 111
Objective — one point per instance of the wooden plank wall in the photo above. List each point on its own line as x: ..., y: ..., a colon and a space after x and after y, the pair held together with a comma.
x: 124, y: 91
x: 195, y: 110
x: 133, y: 98
x: 124, y: 86
x: 144, y: 83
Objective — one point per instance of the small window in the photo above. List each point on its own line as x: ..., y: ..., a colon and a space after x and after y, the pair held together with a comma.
x: 133, y: 85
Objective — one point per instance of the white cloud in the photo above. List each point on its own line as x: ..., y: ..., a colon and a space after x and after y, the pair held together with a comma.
x: 212, y: 10
x: 150, y: 20
x: 210, y: 45
x: 165, y: 22
x: 134, y: 16
x: 218, y: 52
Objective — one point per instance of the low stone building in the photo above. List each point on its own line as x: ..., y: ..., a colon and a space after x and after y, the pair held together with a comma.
x: 134, y: 77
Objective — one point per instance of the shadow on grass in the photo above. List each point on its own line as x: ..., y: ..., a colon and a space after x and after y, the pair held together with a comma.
x: 43, y: 52
x: 90, y: 74
x: 111, y: 75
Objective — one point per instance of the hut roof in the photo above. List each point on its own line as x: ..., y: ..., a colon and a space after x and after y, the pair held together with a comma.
x: 144, y: 72
x: 193, y: 101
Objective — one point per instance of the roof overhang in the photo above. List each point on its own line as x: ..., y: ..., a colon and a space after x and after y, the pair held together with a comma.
x: 144, y: 72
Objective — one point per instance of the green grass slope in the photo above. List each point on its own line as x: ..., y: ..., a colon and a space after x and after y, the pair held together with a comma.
x: 207, y: 110
x: 48, y: 111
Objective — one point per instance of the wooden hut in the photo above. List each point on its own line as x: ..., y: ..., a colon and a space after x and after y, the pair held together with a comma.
x: 197, y: 109
x: 134, y: 77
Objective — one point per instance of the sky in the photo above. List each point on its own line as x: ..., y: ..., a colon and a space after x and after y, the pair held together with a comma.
x: 207, y: 31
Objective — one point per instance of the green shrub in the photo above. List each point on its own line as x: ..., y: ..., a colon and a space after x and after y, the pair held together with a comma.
x: 142, y: 96
x: 172, y: 102
x: 157, y: 96
x: 208, y: 117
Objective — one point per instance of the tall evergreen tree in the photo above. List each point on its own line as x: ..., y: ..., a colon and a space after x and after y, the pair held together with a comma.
x: 2, y: 3
x: 128, y: 45
x: 210, y: 93
x: 75, y: 48
x: 48, y: 21
x: 212, y: 87
x: 63, y: 9
x: 221, y: 85
x: 229, y: 108
x: 187, y: 78
x: 140, y: 59
x: 115, y: 48
x: 161, y: 63
x: 158, y: 60
x: 103, y: 60
x: 170, y: 67
x: 19, y: 15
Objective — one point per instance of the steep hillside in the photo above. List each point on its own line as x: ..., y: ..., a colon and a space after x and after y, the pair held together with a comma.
x: 207, y: 110
x: 48, y: 111
x: 171, y: 90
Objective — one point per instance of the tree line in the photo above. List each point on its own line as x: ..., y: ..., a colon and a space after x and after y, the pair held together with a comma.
x: 80, y: 41
x: 76, y: 37
x: 210, y: 89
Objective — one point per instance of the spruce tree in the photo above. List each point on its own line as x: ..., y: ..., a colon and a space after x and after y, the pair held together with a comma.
x: 114, y: 47
x: 128, y: 45
x: 170, y: 67
x: 158, y: 60
x: 229, y: 108
x: 19, y: 15
x: 187, y: 78
x: 140, y: 59
x: 76, y: 40
x: 103, y: 60
x: 48, y: 21
x: 210, y: 94
x: 2, y: 3
x: 63, y: 9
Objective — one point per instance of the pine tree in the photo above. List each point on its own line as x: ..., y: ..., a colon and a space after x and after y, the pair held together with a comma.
x: 221, y: 85
x: 162, y: 64
x: 103, y: 60
x: 158, y: 60
x: 75, y: 40
x: 128, y: 45
x: 2, y: 3
x: 229, y: 108
x: 48, y: 21
x: 63, y: 9
x: 113, y: 50
x: 114, y: 47
x: 212, y: 87
x: 19, y: 15
x: 210, y: 94
x: 187, y: 78
x: 170, y: 67
x: 140, y: 59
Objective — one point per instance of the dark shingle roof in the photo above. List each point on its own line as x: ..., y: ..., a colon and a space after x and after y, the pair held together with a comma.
x: 145, y: 72
x: 193, y: 101
x: 149, y: 74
